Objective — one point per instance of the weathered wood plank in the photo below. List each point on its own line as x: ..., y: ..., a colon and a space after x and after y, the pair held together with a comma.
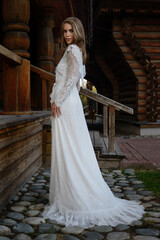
x: 105, y: 121
x: 48, y: 149
x: 147, y: 35
x: 10, y: 87
x: 105, y: 101
x: 111, y: 135
x: 150, y: 43
x: 119, y: 151
x: 105, y: 145
x: 43, y: 74
x: 19, y: 166
x: 92, y: 137
x: 141, y: 102
x: 9, y: 56
x: 44, y: 94
x: 48, y: 136
x: 139, y: 28
x: 11, y: 136
x: 24, y: 87
x: 11, y: 153
x: 105, y: 152
x: 139, y: 35
x: 130, y: 93
x: 15, y: 186
x: 17, y: 87
x: 97, y: 140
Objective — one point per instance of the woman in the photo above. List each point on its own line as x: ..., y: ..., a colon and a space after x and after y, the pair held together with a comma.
x: 78, y: 193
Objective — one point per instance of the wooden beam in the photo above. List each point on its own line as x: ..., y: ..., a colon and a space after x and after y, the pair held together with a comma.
x: 111, y: 137
x: 43, y: 73
x: 9, y: 56
x: 105, y: 121
x: 105, y: 101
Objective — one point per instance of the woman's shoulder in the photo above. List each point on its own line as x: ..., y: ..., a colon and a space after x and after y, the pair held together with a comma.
x: 73, y: 47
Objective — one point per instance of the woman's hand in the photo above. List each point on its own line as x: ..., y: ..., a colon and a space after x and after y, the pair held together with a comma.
x: 55, y: 110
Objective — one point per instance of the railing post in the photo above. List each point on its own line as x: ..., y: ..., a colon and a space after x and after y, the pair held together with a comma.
x: 105, y: 121
x: 111, y: 137
x: 44, y: 94
x: 17, y: 95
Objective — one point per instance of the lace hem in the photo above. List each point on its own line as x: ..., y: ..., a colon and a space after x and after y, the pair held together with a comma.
x: 125, y: 212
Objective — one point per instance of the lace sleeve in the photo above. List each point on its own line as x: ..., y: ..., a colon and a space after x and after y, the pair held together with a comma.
x: 72, y: 79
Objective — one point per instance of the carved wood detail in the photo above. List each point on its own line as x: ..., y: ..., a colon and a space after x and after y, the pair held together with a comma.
x: 149, y: 68
x: 16, y: 15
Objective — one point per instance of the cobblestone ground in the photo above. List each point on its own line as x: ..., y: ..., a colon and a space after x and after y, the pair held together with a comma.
x: 22, y: 220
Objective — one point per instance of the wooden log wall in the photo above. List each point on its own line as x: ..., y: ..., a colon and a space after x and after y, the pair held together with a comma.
x: 128, y: 92
x: 126, y: 79
x: 20, y: 156
x: 144, y: 45
x: 147, y: 31
x: 109, y: 75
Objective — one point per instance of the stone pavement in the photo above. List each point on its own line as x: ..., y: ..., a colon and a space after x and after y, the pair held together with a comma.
x: 140, y: 151
x: 22, y: 219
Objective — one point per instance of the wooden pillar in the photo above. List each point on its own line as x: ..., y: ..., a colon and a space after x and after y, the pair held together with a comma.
x: 16, y: 15
x: 45, y: 52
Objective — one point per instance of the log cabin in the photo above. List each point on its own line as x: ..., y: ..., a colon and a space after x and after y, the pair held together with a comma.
x: 123, y: 47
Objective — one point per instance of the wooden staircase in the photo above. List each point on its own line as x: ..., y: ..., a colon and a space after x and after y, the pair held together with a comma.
x: 105, y: 159
x: 110, y: 107
x: 107, y: 151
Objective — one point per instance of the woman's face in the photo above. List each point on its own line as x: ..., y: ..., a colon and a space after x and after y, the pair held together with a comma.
x: 68, y: 33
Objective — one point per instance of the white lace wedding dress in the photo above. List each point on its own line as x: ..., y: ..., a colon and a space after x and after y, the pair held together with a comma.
x: 79, y: 196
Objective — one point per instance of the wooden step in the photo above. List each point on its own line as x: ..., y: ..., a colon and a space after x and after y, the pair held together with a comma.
x: 105, y: 159
x: 118, y: 153
x: 96, y: 140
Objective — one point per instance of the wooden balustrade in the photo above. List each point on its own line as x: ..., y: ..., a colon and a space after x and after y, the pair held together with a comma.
x: 16, y: 79
x: 9, y: 56
x: 44, y: 76
x: 109, y: 107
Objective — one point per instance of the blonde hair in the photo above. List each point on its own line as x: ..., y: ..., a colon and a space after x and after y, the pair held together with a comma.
x: 79, y: 36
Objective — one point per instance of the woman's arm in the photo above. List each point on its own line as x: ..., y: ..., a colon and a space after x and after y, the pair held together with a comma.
x: 72, y: 79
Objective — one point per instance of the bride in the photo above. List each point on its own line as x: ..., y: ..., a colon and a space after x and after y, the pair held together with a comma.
x: 78, y: 196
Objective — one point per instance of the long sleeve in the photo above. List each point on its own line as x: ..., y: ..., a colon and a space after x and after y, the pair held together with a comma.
x: 72, y: 78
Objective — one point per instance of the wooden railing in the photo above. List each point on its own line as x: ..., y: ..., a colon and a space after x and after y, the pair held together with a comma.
x: 109, y: 107
x: 9, y: 56
x: 17, y: 80
x: 44, y: 76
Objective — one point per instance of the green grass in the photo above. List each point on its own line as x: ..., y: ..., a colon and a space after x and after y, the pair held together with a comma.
x: 151, y: 180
